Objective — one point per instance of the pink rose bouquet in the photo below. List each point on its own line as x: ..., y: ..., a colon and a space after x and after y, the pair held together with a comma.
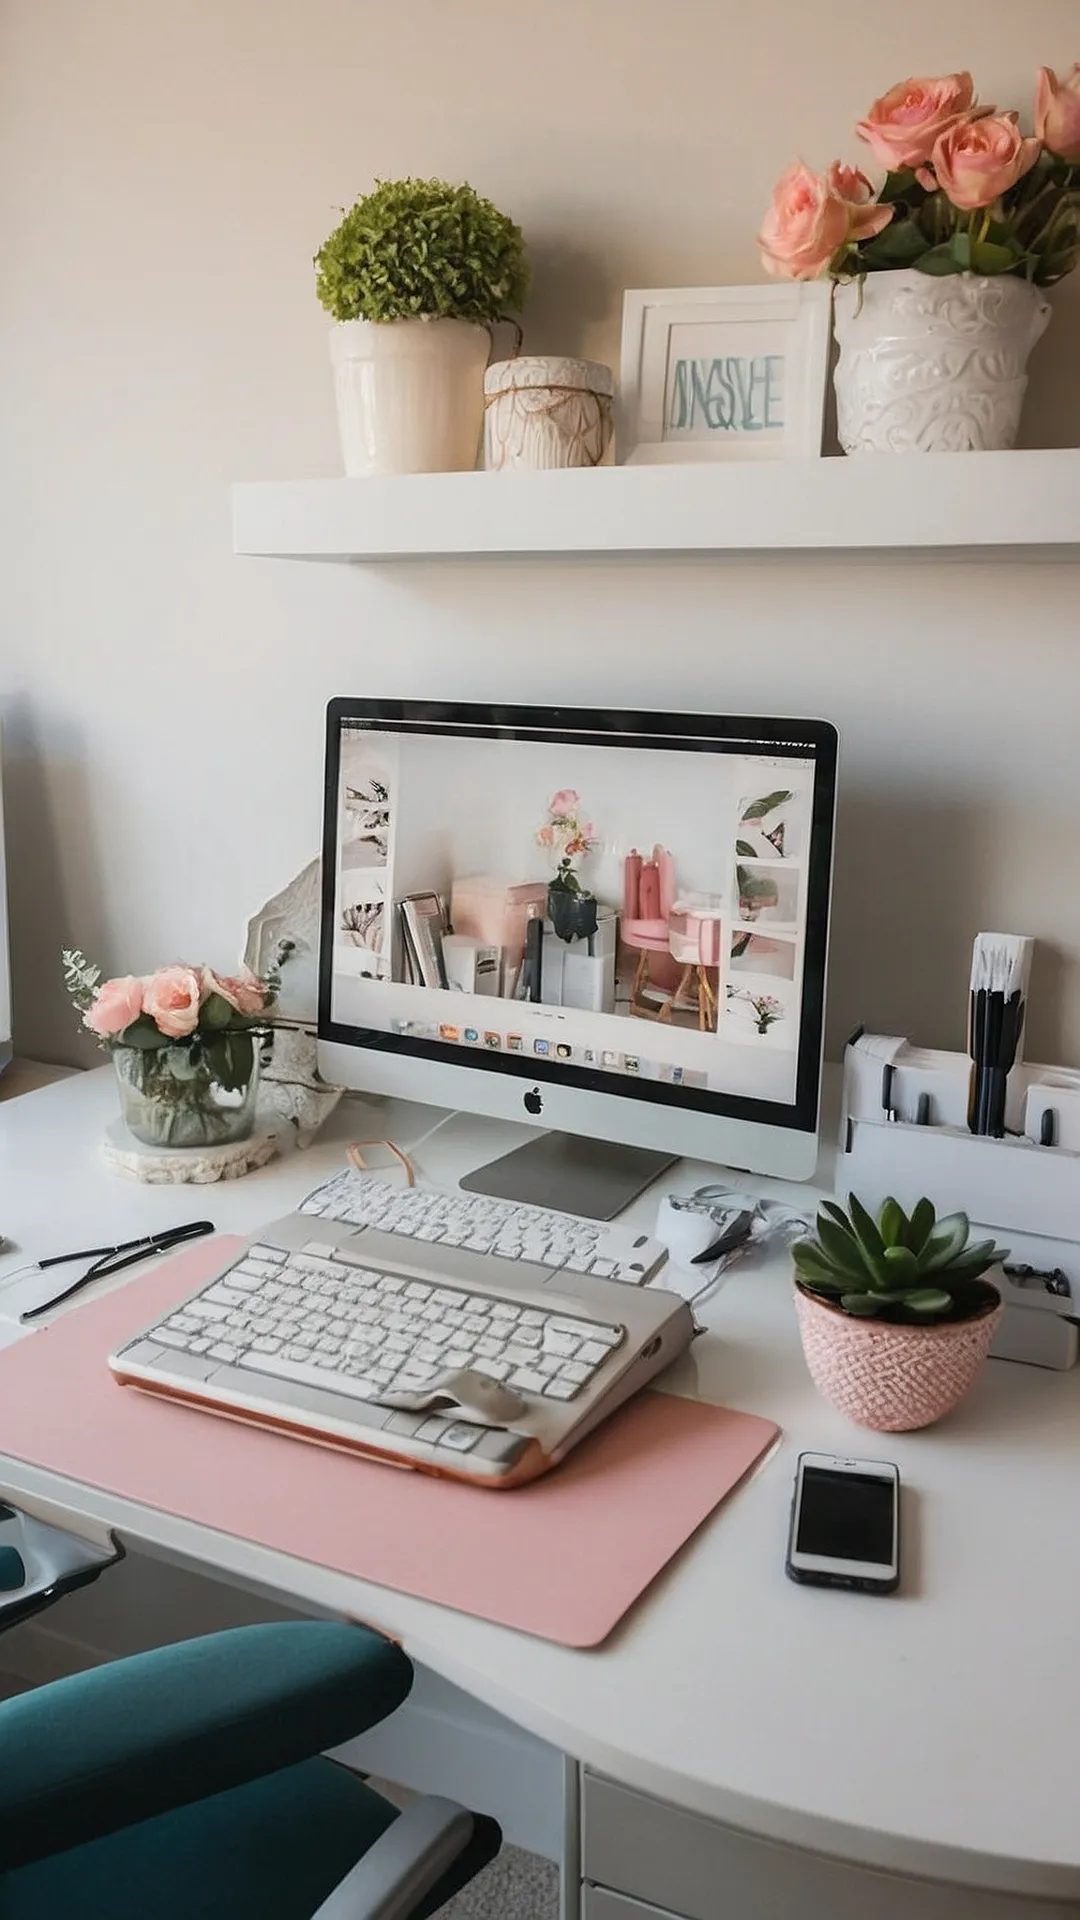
x: 184, y: 1043
x: 965, y: 190
x: 573, y: 908
x: 176, y: 1004
x: 568, y: 837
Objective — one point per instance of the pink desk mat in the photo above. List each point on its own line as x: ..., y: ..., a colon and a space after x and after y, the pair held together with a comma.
x: 563, y: 1558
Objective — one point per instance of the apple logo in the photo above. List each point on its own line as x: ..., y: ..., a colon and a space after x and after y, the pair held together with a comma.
x: 534, y: 1100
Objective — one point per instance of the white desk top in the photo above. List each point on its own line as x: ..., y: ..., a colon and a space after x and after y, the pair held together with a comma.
x: 932, y: 1733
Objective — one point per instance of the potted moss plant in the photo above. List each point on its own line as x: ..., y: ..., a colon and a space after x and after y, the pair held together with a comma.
x: 415, y: 277
x: 896, y: 1315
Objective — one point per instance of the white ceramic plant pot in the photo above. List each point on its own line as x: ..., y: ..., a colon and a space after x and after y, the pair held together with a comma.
x: 933, y: 365
x: 546, y: 412
x: 410, y: 394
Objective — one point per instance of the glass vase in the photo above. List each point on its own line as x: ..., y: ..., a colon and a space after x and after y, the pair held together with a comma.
x: 574, y: 916
x: 197, y: 1093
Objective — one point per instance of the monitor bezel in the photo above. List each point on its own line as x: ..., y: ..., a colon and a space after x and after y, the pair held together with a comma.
x: 615, y: 727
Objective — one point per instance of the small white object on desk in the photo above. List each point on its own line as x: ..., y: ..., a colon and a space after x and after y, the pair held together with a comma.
x: 183, y: 1166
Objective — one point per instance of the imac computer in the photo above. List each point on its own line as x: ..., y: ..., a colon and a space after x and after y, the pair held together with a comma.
x: 609, y: 924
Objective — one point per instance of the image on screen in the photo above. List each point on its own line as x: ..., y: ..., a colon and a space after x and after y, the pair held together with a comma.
x: 615, y: 908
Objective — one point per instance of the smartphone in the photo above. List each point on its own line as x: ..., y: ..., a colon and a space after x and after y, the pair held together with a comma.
x: 845, y: 1524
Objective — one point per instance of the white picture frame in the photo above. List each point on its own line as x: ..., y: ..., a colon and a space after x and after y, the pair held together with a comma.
x: 723, y: 373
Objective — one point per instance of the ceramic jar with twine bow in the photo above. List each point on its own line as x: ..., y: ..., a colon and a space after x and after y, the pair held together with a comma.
x: 546, y: 412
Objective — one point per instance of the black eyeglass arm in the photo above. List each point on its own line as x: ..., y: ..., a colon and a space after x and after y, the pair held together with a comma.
x: 130, y: 1252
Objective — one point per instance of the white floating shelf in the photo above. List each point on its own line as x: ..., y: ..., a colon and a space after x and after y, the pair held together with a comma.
x: 939, y: 500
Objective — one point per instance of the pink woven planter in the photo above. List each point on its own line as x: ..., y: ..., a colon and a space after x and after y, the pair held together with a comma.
x: 888, y: 1377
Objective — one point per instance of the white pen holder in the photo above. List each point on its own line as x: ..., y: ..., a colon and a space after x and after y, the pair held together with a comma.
x: 1024, y: 1194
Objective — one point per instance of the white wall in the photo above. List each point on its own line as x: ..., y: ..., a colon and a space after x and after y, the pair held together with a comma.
x: 167, y: 171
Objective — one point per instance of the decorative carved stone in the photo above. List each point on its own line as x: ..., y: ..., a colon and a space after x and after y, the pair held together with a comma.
x: 284, y: 934
x: 183, y: 1166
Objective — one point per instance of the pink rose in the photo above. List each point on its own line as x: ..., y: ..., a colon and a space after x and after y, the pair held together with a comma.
x: 977, y: 161
x: 171, y: 997
x: 865, y: 216
x: 117, y: 1004
x: 565, y: 801
x: 902, y: 127
x: 1057, y: 112
x: 243, y: 991
x: 546, y: 837
x: 805, y: 225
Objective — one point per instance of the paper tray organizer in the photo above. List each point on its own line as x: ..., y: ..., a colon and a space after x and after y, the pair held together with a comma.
x: 1024, y: 1194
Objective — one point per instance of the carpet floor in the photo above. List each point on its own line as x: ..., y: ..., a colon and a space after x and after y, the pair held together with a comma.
x: 516, y: 1886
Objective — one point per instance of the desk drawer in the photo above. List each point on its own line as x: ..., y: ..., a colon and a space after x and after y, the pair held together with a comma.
x: 695, y: 1869
x: 599, y: 1904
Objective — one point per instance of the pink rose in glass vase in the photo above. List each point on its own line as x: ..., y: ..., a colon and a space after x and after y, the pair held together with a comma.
x: 977, y: 161
x: 243, y: 991
x: 171, y: 998
x: 1057, y: 112
x: 119, y: 1002
x: 567, y: 800
x: 902, y: 126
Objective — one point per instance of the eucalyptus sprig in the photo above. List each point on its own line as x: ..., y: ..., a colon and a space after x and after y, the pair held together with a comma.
x: 81, y: 978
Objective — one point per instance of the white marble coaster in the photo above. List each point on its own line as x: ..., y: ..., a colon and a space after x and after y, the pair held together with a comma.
x: 179, y: 1166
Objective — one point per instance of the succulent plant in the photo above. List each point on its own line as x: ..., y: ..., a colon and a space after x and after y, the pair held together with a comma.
x: 912, y: 1269
x: 413, y: 248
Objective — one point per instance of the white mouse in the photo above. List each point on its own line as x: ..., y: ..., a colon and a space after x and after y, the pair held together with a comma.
x: 479, y: 1398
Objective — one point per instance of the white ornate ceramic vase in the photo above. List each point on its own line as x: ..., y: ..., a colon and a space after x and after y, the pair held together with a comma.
x: 547, y: 412
x: 933, y: 365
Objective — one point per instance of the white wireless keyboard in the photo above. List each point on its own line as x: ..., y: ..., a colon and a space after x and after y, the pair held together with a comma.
x: 448, y: 1217
x: 423, y: 1352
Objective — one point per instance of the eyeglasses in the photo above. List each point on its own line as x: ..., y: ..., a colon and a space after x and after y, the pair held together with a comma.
x: 106, y: 1260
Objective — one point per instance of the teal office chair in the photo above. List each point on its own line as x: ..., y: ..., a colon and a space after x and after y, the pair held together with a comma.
x: 185, y: 1783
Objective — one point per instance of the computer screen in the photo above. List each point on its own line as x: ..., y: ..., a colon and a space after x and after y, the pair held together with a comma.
x: 605, y: 903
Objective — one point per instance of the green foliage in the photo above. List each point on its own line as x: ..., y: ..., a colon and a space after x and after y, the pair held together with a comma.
x: 755, y: 887
x: 918, y: 1269
x: 422, y: 247
x: 228, y: 1058
x: 768, y: 802
x: 81, y: 978
x: 1032, y: 232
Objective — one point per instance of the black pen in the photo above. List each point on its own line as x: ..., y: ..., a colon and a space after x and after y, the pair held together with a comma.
x: 888, y: 1074
x: 1000, y: 966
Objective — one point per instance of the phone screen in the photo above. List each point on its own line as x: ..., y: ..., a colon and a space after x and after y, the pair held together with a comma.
x: 846, y: 1516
